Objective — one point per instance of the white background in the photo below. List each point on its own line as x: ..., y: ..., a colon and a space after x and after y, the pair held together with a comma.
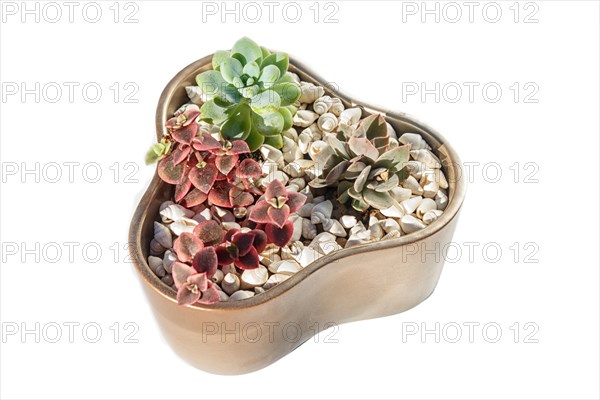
x: 373, y: 54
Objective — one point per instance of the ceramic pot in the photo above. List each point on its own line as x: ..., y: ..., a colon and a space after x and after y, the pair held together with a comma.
x: 362, y: 282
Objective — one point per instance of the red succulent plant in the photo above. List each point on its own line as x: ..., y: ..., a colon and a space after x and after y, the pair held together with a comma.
x: 273, y: 211
x: 183, y: 127
x: 226, y: 153
x: 203, y: 168
x: 193, y: 283
x: 242, y: 248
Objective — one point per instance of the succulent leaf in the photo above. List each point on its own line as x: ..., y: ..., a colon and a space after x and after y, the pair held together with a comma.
x: 288, y: 118
x: 210, y: 232
x: 212, y: 113
x: 255, y: 140
x: 169, y: 172
x: 219, y: 57
x: 211, y: 84
x: 231, y: 68
x: 362, y: 146
x: 275, y: 141
x: 205, y: 261
x: 268, y: 124
x: 379, y: 200
x: 397, y: 156
x: 186, y: 246
x: 375, y: 126
x: 280, y: 60
x: 279, y: 236
x: 248, y: 48
x: 289, y: 92
x: 267, y: 102
x: 270, y: 75
x: 361, y: 180
x: 238, y: 125
x: 252, y: 69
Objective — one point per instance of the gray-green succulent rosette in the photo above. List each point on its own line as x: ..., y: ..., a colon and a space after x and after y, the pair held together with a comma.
x: 249, y: 93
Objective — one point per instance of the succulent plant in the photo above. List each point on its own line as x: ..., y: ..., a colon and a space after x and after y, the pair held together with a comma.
x: 197, y: 161
x: 367, y: 167
x: 273, y: 211
x: 242, y: 248
x: 193, y: 283
x: 249, y: 93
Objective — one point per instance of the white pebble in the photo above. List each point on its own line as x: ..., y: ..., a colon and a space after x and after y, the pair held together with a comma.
x: 412, y: 184
x: 309, y: 231
x: 415, y: 140
x: 270, y: 153
x: 287, y: 267
x: 431, y: 216
x: 395, y: 211
x: 441, y: 199
x: 309, y: 92
x: 154, y: 262
x: 174, y: 212
x: 348, y: 221
x: 416, y: 168
x: 376, y: 231
x: 217, y: 277
x: 427, y: 157
x: 334, y: 226
x: 275, y: 279
x: 426, y: 205
x: 411, y: 204
x: 254, y: 277
x: 241, y: 295
x: 305, y: 210
x: 307, y: 256
x: 410, y: 224
x: 392, y: 235
x: 297, y: 223
x: 305, y: 118
x: 156, y: 248
x: 390, y: 225
x: 321, y: 212
x: 183, y: 225
x: 168, y: 259
x: 162, y: 235
x: 230, y: 283
x: 327, y: 122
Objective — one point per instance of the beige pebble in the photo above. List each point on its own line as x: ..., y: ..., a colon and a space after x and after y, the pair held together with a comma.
x: 286, y: 267
x: 254, y: 277
x: 275, y: 279
x: 241, y: 295
x: 156, y: 248
x: 321, y: 212
x: 305, y: 118
x: 162, y: 235
x: 409, y: 206
x: 348, y: 221
x: 426, y: 205
x: 412, y: 184
x: 415, y: 140
x: 441, y: 199
x: 217, y: 277
x: 390, y: 225
x: 431, y: 216
x: 309, y: 92
x: 334, y: 227
x: 410, y: 224
x: 230, y: 283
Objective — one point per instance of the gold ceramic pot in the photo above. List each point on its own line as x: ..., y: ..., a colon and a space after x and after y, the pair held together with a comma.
x: 362, y: 282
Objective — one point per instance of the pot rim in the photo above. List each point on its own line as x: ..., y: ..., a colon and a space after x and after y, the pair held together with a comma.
x: 141, y: 264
